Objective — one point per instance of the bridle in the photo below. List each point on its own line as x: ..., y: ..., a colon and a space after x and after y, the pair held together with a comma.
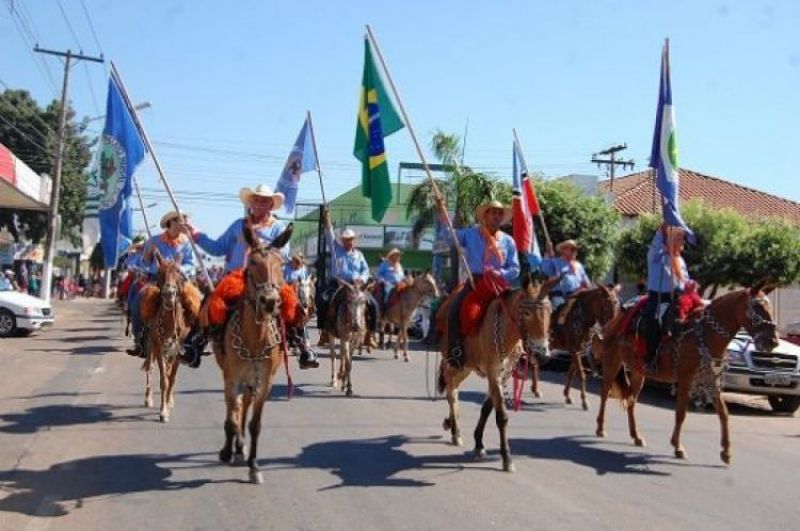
x: 259, y: 294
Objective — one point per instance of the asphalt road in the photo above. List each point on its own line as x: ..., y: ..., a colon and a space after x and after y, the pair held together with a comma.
x: 79, y: 451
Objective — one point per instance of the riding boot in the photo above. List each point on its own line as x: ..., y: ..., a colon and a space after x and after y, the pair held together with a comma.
x: 652, y: 340
x: 455, y: 345
x: 193, y: 349
x: 308, y: 358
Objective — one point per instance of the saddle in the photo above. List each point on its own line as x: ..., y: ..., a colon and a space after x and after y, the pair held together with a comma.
x: 394, y: 295
x: 473, y: 308
x: 229, y: 293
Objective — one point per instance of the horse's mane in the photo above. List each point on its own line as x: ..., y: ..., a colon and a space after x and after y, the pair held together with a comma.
x: 149, y: 302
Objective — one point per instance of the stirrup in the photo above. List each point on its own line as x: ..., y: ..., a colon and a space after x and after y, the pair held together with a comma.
x: 455, y: 358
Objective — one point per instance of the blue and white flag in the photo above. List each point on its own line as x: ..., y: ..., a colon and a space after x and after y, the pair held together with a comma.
x: 664, y: 155
x: 301, y: 159
x: 121, y: 151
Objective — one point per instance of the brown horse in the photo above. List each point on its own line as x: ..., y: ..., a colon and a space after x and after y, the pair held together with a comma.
x: 595, y: 306
x: 347, y: 323
x: 168, y: 309
x: 399, y: 312
x: 252, y: 349
x: 516, y: 320
x: 699, y: 346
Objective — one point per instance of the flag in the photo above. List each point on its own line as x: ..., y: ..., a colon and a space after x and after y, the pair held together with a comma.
x: 524, y: 205
x: 377, y: 119
x: 664, y: 154
x: 121, y: 150
x: 301, y: 159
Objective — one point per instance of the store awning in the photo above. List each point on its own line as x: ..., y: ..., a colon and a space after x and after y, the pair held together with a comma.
x: 20, y: 187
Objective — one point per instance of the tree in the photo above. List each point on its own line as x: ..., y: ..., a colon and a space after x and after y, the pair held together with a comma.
x: 771, y: 250
x: 30, y: 133
x: 570, y: 213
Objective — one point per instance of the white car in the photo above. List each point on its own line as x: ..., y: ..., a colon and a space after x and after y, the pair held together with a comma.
x: 775, y: 374
x: 21, y: 313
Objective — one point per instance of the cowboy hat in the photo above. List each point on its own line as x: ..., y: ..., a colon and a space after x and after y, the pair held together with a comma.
x: 298, y: 256
x: 262, y: 190
x: 169, y: 216
x: 480, y: 212
x: 394, y: 251
x: 567, y: 243
x: 348, y: 234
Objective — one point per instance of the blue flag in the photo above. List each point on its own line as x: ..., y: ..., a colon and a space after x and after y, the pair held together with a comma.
x: 664, y: 155
x: 301, y: 159
x: 121, y: 151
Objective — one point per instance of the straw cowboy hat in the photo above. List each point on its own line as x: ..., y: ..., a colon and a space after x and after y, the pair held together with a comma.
x: 298, y: 257
x: 262, y: 190
x: 567, y: 243
x: 169, y: 216
x: 480, y: 212
x: 393, y: 252
x: 348, y: 234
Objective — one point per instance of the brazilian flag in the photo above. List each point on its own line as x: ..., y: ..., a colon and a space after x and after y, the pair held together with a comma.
x: 377, y: 119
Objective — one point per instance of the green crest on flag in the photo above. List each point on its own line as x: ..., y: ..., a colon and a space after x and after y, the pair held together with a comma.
x: 672, y: 149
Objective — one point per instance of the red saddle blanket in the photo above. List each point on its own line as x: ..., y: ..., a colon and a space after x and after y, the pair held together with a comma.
x: 395, y: 293
x: 230, y: 291
x: 474, y: 306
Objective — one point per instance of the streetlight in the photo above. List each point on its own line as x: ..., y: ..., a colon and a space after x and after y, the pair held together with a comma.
x: 139, y: 107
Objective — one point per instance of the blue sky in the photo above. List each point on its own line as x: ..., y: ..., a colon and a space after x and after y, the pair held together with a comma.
x: 230, y: 82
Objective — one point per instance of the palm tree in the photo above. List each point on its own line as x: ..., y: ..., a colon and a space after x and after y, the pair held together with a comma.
x: 463, y: 188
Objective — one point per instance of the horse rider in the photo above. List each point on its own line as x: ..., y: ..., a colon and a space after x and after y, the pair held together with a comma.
x: 7, y: 282
x: 131, y: 265
x: 295, y: 272
x: 667, y: 276
x: 573, y: 276
x: 491, y: 256
x: 349, y: 265
x: 390, y: 275
x: 170, y: 244
x: 260, y: 203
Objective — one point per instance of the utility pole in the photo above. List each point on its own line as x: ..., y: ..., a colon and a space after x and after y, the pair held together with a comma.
x: 612, y: 162
x: 55, y: 193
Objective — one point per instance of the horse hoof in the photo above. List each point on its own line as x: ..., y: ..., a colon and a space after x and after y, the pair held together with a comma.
x: 726, y: 457
x: 406, y: 359
x: 396, y: 356
x: 568, y: 400
x: 600, y: 433
x: 537, y: 394
x: 256, y: 478
x: 508, y: 466
x: 456, y: 441
x: 349, y: 392
x: 585, y: 406
x: 639, y: 442
x: 680, y: 454
x: 446, y: 424
x: 480, y: 453
x: 164, y: 418
x: 224, y: 456
x: 239, y: 460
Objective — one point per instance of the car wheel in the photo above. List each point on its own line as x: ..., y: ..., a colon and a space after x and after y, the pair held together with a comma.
x: 8, y: 323
x: 784, y: 403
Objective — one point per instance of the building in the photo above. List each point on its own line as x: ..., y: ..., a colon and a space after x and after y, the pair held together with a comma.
x: 635, y: 194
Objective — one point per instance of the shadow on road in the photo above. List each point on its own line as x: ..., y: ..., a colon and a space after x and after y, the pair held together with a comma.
x: 80, y: 351
x: 371, y: 462
x: 45, y: 417
x: 66, y: 486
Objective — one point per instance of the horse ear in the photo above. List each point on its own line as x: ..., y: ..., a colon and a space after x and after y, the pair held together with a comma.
x: 529, y: 282
x: 249, y: 234
x: 548, y: 285
x: 758, y: 286
x: 602, y: 288
x: 283, y: 238
x: 178, y: 260
x: 158, y: 258
x: 770, y: 288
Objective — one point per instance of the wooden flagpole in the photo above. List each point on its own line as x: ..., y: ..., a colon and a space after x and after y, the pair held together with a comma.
x: 525, y: 163
x: 141, y: 206
x: 321, y: 187
x: 435, y: 189
x: 149, y: 146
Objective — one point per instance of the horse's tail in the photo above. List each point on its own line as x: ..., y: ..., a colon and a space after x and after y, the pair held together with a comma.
x: 621, y: 388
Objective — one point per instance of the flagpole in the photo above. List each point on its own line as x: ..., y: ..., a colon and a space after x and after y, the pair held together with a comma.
x: 321, y: 186
x: 141, y: 206
x: 525, y: 163
x: 435, y: 189
x: 149, y: 146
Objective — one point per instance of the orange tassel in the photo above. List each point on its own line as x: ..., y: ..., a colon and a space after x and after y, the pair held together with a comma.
x: 289, y: 305
x: 148, y: 306
x: 227, y: 291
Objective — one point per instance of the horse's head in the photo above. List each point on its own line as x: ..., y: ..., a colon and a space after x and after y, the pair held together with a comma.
x: 754, y: 315
x: 169, y: 278
x: 605, y: 304
x: 426, y: 285
x: 305, y: 294
x: 354, y: 304
x: 264, y: 271
x: 534, y: 313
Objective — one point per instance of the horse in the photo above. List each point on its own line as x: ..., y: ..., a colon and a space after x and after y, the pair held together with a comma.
x: 595, y: 306
x: 516, y: 320
x: 399, y: 312
x: 305, y: 290
x: 346, y: 322
x: 168, y: 309
x: 699, y: 345
x: 252, y: 350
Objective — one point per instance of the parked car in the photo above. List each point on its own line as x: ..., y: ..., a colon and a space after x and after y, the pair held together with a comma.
x: 793, y: 333
x: 21, y: 313
x: 775, y: 374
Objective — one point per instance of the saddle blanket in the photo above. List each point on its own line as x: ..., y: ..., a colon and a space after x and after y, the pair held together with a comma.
x: 230, y: 291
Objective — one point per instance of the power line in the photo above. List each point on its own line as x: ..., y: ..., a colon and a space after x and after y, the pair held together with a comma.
x: 91, y: 27
x: 29, y: 39
x: 69, y: 25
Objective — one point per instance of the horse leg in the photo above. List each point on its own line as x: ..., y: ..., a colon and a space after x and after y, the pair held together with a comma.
x: 255, y: 430
x: 681, y: 407
x: 533, y: 366
x: 148, y: 388
x: 570, y: 373
x: 582, y: 379
x: 453, y: 379
x: 637, y: 382
x: 610, y: 370
x: 722, y: 413
x: 164, y: 380
x: 333, y: 363
x: 173, y: 376
x: 347, y: 364
x: 501, y: 417
x: 238, y: 454
x: 232, y: 416
x: 480, y: 451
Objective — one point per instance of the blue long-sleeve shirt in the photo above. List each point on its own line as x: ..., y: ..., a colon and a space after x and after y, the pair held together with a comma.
x: 169, y: 250
x: 474, y: 245
x: 348, y: 265
x: 294, y: 274
x: 234, y: 248
x: 571, y: 281
x: 660, y: 276
x: 389, y: 274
